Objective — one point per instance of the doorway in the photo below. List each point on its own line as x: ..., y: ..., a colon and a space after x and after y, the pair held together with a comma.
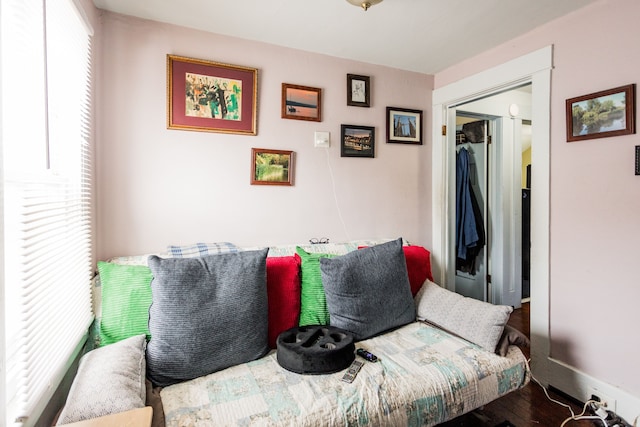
x: 534, y: 68
x: 490, y: 139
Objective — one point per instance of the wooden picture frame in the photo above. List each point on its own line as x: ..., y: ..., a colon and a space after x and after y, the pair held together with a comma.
x: 358, y: 91
x: 271, y: 167
x: 404, y: 126
x: 210, y: 96
x: 301, y: 102
x: 357, y: 141
x: 601, y: 114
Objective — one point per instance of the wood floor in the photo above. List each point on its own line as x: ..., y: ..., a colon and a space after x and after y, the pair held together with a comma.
x: 526, y: 407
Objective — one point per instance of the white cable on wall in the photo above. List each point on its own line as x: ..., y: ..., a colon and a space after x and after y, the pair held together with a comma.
x: 335, y: 196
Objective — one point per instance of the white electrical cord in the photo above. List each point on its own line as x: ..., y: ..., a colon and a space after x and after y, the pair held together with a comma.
x: 335, y: 196
x: 573, y: 416
x: 581, y: 416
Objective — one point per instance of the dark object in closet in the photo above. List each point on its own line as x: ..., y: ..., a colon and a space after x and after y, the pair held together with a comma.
x: 474, y: 131
x: 470, y: 234
x: 526, y: 242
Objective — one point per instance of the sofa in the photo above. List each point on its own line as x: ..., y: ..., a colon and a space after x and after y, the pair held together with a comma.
x: 193, y: 332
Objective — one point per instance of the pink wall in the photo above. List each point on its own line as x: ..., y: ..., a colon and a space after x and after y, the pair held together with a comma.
x: 595, y: 196
x: 157, y: 187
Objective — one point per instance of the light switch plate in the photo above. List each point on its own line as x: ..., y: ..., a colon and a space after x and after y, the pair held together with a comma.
x: 322, y: 140
x: 637, y: 159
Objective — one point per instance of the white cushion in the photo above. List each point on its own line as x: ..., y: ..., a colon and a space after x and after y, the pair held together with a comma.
x: 109, y: 380
x: 476, y: 321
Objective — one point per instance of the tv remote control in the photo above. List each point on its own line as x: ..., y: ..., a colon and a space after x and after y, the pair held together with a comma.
x: 353, y: 370
x: 367, y: 355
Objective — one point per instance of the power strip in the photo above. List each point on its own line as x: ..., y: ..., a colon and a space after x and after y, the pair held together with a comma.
x: 608, y: 418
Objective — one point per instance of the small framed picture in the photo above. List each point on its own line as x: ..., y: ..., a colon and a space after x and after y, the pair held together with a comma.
x: 210, y: 96
x: 271, y: 167
x: 357, y: 141
x: 358, y: 92
x: 602, y: 114
x: 404, y: 126
x: 301, y: 102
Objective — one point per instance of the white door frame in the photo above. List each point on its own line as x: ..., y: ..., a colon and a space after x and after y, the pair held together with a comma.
x: 534, y: 68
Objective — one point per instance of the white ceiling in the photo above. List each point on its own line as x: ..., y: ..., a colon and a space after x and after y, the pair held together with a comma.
x: 426, y: 36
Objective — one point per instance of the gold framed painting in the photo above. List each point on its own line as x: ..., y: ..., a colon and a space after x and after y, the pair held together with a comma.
x: 271, y: 167
x: 211, y: 96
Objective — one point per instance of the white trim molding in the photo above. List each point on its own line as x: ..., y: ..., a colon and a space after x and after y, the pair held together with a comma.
x: 581, y: 386
x: 534, y: 68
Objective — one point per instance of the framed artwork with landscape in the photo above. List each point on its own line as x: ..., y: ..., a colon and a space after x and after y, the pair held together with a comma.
x: 301, y: 102
x: 358, y: 91
x: 210, y: 96
x: 601, y: 114
x: 404, y: 126
x: 271, y: 167
x: 357, y: 141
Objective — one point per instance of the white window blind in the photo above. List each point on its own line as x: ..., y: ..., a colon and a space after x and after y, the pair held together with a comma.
x: 45, y: 67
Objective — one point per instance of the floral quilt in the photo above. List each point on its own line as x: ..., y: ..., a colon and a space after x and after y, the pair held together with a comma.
x: 424, y: 377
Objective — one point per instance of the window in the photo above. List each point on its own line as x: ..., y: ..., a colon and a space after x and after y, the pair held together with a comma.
x: 45, y: 118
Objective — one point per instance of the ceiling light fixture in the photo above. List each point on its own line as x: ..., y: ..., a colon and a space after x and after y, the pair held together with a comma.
x: 364, y: 4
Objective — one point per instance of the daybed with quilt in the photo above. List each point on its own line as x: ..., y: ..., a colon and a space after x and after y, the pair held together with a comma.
x: 210, y: 354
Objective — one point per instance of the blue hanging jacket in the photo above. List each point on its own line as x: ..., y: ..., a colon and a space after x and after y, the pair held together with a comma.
x: 467, y: 234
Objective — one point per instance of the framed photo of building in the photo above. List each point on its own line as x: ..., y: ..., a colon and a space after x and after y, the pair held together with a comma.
x: 357, y: 141
x: 210, y: 96
x: 404, y: 126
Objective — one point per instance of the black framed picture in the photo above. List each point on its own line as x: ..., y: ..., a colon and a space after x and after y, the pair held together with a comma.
x: 404, y: 126
x: 357, y: 141
x: 358, y: 91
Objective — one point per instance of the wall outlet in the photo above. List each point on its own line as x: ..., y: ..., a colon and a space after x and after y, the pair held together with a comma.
x: 608, y: 402
x: 322, y: 139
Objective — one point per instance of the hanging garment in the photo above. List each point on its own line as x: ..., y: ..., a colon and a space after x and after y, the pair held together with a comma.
x: 470, y: 237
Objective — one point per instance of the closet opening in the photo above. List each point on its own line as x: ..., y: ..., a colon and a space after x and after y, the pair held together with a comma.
x: 472, y: 273
x: 534, y: 69
x: 490, y: 236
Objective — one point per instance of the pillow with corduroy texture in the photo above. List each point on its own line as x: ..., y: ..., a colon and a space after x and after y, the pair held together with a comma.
x: 207, y: 314
x: 313, y: 303
x: 126, y: 297
x: 368, y: 290
x: 283, y: 290
x: 418, y: 266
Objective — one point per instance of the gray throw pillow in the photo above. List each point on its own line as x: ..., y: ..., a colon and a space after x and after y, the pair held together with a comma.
x: 109, y: 380
x: 368, y: 290
x: 206, y: 314
x: 476, y: 321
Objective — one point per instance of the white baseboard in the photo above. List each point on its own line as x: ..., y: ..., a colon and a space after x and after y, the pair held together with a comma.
x: 580, y: 386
